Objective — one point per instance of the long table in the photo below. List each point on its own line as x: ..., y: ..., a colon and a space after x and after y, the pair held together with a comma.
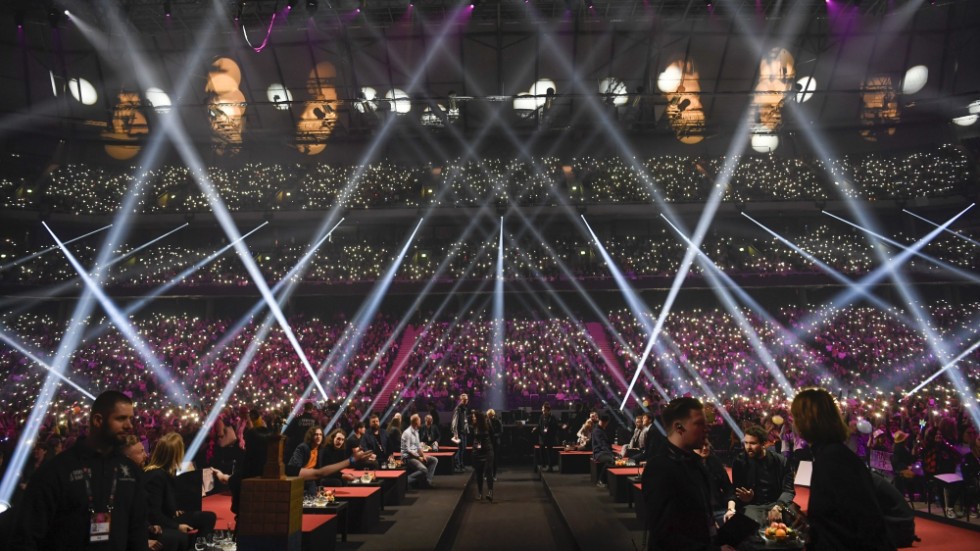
x: 394, y: 483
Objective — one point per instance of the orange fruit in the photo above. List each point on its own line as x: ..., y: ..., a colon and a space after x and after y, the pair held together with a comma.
x: 780, y: 534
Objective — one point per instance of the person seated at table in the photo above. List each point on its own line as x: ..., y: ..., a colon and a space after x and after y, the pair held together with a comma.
x: 160, y: 485
x: 334, y: 451
x: 602, y: 452
x: 722, y: 491
x: 356, y: 440
x: 763, y: 480
x: 256, y: 448
x: 158, y: 538
x: 376, y: 440
x: 584, y: 438
x: 633, y: 446
x: 394, y: 433
x: 429, y: 433
x: 307, y: 455
x: 420, y: 467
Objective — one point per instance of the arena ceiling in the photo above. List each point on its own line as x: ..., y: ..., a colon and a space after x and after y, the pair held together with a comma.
x: 304, y: 76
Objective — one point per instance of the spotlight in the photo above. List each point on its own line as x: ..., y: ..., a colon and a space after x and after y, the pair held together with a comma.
x: 312, y: 5
x: 19, y: 18
x: 166, y: 8
x: 241, y: 8
x: 54, y: 18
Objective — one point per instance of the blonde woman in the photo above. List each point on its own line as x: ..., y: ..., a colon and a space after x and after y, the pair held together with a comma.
x: 160, y: 485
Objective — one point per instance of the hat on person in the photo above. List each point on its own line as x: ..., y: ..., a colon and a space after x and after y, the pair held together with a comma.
x: 899, y: 436
x: 877, y: 433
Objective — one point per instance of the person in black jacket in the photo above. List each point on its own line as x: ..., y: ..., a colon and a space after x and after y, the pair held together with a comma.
x: 160, y: 485
x: 429, y: 433
x: 547, y: 431
x: 722, y: 490
x: 55, y: 514
x: 676, y: 486
x: 376, y: 440
x: 483, y: 452
x: 843, y: 512
x: 308, y: 455
x: 297, y: 428
x: 602, y: 452
x: 497, y: 431
x: 763, y: 481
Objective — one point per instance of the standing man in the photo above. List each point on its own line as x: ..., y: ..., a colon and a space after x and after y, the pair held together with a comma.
x: 602, y: 452
x: 460, y: 428
x: 763, y: 480
x: 676, y: 486
x: 296, y: 430
x: 547, y: 430
x: 90, y: 496
x: 416, y: 462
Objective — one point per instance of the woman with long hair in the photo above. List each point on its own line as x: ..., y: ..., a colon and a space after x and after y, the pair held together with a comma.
x: 483, y: 453
x: 334, y: 451
x: 394, y: 433
x: 160, y: 485
x: 843, y: 512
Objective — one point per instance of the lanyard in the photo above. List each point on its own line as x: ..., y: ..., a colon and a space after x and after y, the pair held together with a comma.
x: 88, y: 489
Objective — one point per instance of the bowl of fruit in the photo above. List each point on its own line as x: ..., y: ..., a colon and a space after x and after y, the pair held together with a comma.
x: 778, y: 534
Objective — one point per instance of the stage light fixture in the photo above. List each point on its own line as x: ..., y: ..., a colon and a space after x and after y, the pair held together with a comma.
x: 166, y: 8
x: 19, y: 18
x: 312, y: 6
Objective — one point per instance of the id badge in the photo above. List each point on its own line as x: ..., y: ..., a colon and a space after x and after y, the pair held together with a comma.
x: 99, y: 527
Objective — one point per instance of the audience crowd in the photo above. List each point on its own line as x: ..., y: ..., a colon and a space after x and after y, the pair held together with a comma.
x: 345, y: 260
x: 869, y: 356
x: 257, y: 186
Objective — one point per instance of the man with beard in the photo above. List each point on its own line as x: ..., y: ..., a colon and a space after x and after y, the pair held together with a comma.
x: 763, y: 480
x: 375, y: 440
x: 90, y: 496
